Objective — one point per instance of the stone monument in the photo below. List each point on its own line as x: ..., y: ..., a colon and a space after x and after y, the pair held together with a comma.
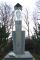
x: 18, y: 36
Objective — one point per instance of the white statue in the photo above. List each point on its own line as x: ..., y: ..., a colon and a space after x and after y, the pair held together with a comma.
x: 18, y: 14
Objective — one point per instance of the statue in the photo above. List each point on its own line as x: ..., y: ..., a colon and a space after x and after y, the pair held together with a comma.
x: 18, y: 14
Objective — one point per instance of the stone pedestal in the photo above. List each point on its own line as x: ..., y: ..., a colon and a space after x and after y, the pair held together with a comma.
x: 18, y: 42
x: 13, y: 56
x: 18, y: 38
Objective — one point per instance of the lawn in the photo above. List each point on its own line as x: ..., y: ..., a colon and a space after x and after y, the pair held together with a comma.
x: 36, y: 56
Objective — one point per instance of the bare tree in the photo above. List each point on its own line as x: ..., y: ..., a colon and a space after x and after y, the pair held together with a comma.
x: 6, y: 16
x: 27, y: 22
x: 36, y: 15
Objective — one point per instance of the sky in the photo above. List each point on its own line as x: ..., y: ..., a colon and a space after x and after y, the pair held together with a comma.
x: 26, y: 4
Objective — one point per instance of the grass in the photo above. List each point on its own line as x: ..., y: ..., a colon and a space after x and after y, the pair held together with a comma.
x: 36, y: 56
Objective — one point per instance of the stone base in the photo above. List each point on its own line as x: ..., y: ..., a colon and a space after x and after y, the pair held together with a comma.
x: 13, y: 56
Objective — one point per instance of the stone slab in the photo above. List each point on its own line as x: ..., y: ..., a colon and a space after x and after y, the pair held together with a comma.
x: 12, y: 56
x: 18, y: 41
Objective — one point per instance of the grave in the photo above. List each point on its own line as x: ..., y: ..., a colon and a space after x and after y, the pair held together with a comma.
x: 18, y: 36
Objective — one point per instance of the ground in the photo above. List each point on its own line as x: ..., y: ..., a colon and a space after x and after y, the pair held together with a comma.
x: 36, y: 56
